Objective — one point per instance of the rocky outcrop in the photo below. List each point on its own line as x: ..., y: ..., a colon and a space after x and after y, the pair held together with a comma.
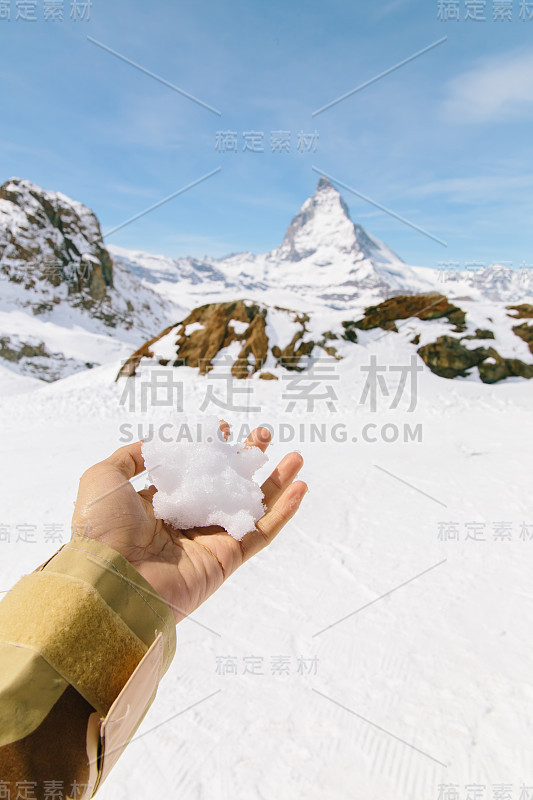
x: 209, y: 329
x: 495, y: 368
x: 54, y: 266
x: 16, y: 351
x: 480, y: 333
x: 431, y: 305
x: 32, y: 358
x: 448, y: 358
x: 129, y: 368
x: 350, y: 334
x: 525, y: 332
x: 45, y: 236
x: 262, y: 339
x: 523, y: 311
x: 289, y: 356
x: 198, y: 348
x: 330, y: 349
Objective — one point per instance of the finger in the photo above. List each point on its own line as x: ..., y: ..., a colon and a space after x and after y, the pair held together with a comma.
x: 259, y: 437
x: 224, y: 427
x: 284, y: 474
x: 127, y: 460
x: 148, y: 493
x: 274, y: 520
x: 111, y: 475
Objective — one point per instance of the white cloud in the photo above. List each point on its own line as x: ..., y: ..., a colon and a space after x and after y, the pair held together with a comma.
x: 497, y: 90
x: 481, y: 189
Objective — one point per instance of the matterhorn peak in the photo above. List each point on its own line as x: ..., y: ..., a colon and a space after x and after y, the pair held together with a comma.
x: 324, y: 224
x: 324, y: 183
x: 328, y: 197
x: 323, y: 217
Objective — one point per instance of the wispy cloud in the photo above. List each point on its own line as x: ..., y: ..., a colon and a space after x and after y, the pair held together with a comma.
x: 479, y: 189
x: 382, y: 11
x: 497, y: 90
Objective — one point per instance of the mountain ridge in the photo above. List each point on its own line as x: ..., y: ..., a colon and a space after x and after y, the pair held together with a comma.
x: 71, y: 302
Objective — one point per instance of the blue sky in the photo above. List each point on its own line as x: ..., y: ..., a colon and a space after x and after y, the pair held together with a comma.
x: 443, y: 141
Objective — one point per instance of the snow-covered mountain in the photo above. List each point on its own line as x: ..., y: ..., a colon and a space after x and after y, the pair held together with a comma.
x: 341, y: 285
x: 324, y: 260
x: 323, y: 223
x: 69, y: 302
x: 65, y: 305
x: 325, y: 251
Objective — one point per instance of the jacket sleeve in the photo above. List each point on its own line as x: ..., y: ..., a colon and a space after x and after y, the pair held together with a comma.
x: 84, y: 642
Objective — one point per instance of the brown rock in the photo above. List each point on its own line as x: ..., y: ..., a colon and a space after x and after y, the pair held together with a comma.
x: 424, y: 306
x: 64, y: 262
x: 523, y: 311
x: 11, y: 352
x: 129, y: 368
x: 200, y: 347
x: 490, y: 372
x: 503, y: 368
x: 481, y: 333
x: 350, y: 334
x: 525, y: 332
x: 448, y: 358
x: 255, y: 344
x: 290, y: 356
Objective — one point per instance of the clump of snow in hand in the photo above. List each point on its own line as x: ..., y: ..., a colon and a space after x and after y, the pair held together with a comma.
x: 202, y: 479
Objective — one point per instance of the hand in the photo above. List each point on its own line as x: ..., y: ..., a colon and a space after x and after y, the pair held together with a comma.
x: 184, y: 566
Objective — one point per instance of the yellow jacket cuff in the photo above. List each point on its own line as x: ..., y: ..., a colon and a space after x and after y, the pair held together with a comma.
x: 87, y: 618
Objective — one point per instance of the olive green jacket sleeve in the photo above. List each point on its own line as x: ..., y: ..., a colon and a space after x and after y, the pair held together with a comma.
x: 84, y: 642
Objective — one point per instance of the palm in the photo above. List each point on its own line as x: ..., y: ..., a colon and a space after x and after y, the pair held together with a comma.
x: 184, y: 566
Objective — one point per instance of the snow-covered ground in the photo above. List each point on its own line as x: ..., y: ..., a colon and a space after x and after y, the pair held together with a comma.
x: 376, y: 649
